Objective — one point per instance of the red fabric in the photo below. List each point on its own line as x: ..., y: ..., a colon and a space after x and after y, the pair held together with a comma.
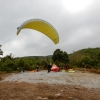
x: 54, y: 68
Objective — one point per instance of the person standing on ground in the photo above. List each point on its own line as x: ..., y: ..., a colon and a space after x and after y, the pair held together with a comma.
x: 37, y: 68
x: 66, y: 67
x: 83, y: 68
x: 49, y: 67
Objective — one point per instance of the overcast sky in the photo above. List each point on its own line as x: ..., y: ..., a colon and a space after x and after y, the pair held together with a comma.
x: 76, y: 21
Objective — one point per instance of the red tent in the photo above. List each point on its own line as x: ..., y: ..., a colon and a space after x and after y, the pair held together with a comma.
x: 54, y: 68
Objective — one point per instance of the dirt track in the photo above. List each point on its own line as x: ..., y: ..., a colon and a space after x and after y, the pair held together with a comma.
x: 62, y: 86
x: 88, y: 80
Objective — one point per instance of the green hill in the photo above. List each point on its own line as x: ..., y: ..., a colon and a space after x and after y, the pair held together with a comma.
x: 90, y: 56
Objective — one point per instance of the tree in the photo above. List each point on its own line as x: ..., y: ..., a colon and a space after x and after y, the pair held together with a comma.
x: 1, y: 52
x: 60, y: 56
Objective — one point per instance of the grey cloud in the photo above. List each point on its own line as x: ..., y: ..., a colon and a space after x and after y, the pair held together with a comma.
x: 76, y: 30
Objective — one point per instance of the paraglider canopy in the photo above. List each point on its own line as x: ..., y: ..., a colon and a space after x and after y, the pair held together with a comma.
x: 41, y: 26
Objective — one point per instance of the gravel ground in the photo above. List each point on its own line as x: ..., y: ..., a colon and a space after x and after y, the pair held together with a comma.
x: 88, y: 80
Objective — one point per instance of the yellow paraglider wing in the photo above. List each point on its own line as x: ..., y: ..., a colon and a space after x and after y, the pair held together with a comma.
x: 41, y: 26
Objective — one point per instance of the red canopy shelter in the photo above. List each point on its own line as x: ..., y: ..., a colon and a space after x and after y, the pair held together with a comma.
x: 54, y: 68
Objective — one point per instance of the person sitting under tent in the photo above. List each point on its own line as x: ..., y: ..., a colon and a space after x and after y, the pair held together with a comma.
x: 59, y: 68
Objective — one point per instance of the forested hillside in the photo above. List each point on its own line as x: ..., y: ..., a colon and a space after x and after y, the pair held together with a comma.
x: 89, y: 56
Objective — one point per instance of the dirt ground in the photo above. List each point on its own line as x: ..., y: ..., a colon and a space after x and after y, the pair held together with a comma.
x: 50, y: 86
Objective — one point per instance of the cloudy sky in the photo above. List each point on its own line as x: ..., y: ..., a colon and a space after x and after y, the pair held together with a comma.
x: 76, y: 21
